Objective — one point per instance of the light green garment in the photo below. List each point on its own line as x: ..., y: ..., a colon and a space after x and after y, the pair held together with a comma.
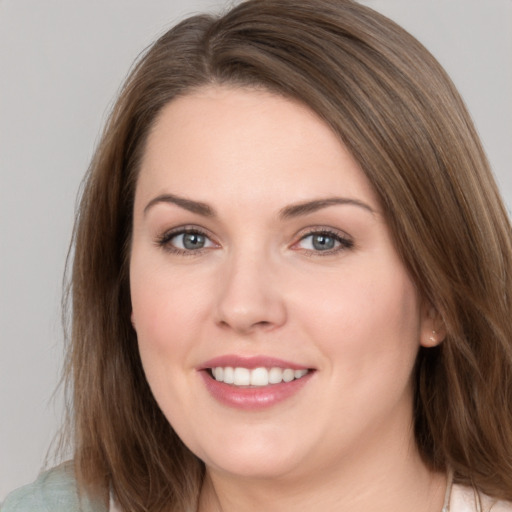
x: 53, y: 491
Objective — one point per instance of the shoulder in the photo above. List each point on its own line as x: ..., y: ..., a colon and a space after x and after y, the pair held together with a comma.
x: 53, y: 491
x: 466, y: 499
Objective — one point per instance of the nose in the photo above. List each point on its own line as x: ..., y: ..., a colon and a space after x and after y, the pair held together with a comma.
x: 250, y: 298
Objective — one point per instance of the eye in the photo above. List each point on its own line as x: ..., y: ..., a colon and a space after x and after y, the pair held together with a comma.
x: 185, y: 241
x: 190, y: 241
x: 324, y: 241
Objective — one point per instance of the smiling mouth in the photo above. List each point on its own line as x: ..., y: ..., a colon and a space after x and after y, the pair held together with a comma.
x: 257, y: 377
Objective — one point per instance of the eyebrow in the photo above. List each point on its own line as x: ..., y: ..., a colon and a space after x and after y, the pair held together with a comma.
x: 288, y: 212
x: 187, y: 204
x: 296, y: 210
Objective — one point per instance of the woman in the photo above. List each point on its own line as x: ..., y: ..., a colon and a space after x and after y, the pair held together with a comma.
x: 291, y: 280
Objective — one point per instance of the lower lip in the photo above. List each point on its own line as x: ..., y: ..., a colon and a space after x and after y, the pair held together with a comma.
x: 253, y: 398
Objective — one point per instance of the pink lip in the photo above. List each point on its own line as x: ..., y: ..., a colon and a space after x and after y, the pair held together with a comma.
x: 250, y: 362
x: 252, y: 398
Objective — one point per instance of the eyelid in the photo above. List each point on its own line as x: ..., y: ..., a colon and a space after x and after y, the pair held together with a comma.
x: 163, y: 240
x: 344, y: 239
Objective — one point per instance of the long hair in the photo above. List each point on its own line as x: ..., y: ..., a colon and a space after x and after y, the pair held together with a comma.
x: 395, y: 109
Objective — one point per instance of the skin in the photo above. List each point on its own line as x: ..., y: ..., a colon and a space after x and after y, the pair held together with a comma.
x: 260, y: 287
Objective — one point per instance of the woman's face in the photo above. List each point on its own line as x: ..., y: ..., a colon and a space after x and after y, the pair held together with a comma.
x: 260, y: 254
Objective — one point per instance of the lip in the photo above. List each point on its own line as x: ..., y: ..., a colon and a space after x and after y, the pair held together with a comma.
x: 250, y: 362
x: 252, y: 398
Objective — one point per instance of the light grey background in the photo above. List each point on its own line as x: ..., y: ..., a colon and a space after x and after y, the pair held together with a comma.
x: 61, y: 63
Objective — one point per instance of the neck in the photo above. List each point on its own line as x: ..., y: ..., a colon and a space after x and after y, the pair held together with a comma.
x: 389, y: 479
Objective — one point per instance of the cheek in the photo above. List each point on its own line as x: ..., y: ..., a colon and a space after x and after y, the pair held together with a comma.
x: 169, y: 315
x: 367, y: 328
x: 165, y: 301
x: 366, y: 322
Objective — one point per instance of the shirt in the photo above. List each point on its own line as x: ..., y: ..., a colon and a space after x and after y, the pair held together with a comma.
x: 56, y: 491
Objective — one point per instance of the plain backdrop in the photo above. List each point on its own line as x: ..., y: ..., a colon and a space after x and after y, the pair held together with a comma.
x: 61, y: 63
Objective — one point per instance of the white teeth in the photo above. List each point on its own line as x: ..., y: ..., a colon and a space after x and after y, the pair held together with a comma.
x: 275, y: 375
x: 259, y: 377
x: 218, y: 373
x: 242, y: 377
x: 288, y: 375
x: 229, y: 375
x: 256, y: 377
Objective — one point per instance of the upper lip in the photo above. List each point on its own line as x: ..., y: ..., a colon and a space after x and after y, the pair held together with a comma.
x: 250, y: 362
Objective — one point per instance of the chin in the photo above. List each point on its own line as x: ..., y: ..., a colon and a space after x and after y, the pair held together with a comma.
x: 247, y: 467
x: 250, y: 457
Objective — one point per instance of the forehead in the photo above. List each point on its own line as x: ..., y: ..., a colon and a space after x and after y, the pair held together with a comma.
x: 235, y: 143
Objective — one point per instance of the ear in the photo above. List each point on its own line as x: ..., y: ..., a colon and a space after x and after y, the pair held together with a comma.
x: 433, y: 330
x: 132, y: 319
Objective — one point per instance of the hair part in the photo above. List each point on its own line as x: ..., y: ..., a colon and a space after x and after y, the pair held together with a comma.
x: 398, y: 113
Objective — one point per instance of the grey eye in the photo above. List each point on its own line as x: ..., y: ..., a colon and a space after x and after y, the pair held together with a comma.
x: 193, y: 240
x: 323, y: 242
x: 319, y: 242
x: 190, y: 241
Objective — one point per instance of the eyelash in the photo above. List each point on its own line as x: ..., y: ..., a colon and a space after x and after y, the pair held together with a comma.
x: 344, y: 241
x: 164, y: 241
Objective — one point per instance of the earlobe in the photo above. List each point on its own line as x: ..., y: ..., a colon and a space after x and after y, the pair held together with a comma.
x: 433, y: 330
x: 433, y: 339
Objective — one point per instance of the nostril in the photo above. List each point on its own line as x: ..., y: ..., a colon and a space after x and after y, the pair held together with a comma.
x: 244, y: 310
x: 263, y: 324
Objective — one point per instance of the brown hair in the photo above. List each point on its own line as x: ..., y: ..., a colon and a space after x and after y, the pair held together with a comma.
x: 395, y: 109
